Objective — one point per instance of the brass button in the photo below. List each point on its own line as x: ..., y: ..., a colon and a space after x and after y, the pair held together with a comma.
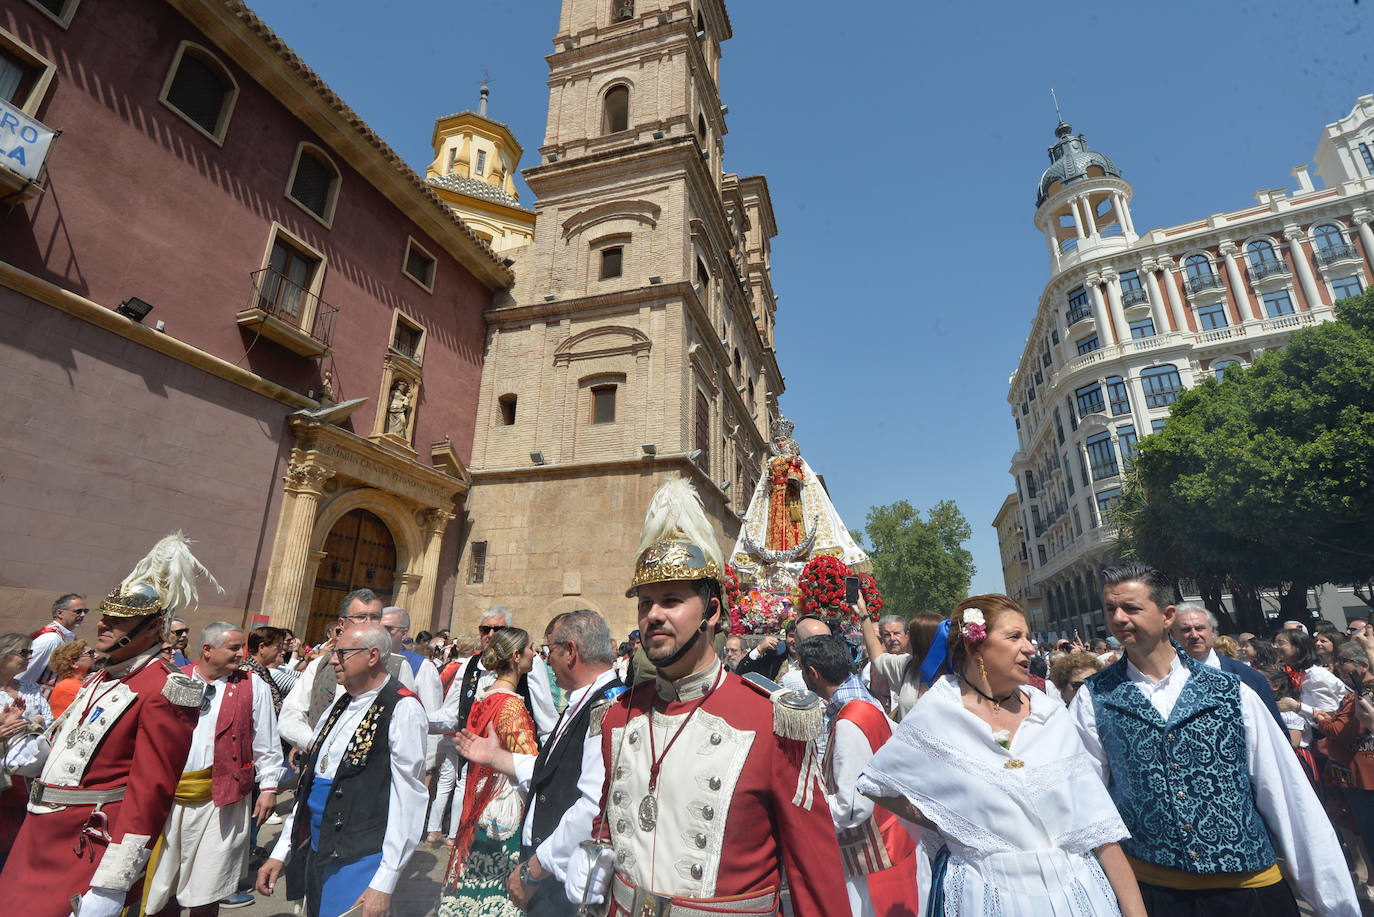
x: 1181, y: 795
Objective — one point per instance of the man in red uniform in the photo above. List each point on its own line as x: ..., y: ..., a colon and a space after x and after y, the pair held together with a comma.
x: 106, y: 785
x: 712, y: 787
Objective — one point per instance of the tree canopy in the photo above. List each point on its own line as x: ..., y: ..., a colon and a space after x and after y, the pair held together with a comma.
x: 1262, y: 479
x: 920, y: 564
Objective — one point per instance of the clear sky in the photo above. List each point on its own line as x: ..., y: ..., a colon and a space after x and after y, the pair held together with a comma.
x: 902, y: 144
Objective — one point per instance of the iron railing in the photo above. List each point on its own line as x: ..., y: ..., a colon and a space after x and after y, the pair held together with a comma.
x: 292, y: 304
x: 1208, y: 281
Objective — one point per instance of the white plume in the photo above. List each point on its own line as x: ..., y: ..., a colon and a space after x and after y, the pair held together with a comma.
x: 171, y: 569
x: 676, y: 513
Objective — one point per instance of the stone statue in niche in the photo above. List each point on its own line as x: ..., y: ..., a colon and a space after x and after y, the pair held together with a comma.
x: 398, y: 409
x: 623, y: 10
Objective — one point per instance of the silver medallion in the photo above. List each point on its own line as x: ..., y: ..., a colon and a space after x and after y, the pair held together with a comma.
x: 324, y: 761
x: 648, y: 813
x: 71, y: 739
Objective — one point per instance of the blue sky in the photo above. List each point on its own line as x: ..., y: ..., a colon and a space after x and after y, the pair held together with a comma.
x: 902, y: 144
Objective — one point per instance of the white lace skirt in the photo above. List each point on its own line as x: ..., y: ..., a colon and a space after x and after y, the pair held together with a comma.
x: 1048, y: 883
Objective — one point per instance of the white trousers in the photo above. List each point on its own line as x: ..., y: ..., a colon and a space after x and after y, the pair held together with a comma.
x: 449, y: 762
x: 203, y: 853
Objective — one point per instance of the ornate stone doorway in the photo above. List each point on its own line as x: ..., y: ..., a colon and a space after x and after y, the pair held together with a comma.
x: 359, y: 552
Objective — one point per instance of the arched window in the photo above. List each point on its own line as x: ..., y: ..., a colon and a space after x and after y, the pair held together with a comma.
x: 1197, y: 267
x: 701, y: 129
x: 617, y: 109
x: 1261, y: 253
x: 1327, y: 238
x: 314, y: 183
x: 1219, y: 367
x: 200, y: 89
x: 622, y: 10
x: 739, y: 368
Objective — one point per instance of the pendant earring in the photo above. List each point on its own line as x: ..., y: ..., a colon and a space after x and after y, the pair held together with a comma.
x: 984, y: 669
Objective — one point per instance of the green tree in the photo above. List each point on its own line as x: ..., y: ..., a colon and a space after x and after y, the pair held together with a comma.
x: 1263, y: 479
x: 920, y: 564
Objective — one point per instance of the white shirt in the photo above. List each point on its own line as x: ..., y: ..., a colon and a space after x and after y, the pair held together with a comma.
x: 849, y: 754
x: 576, y: 823
x: 25, y: 752
x: 405, y: 817
x: 545, y: 714
x: 42, y: 647
x: 293, y: 721
x: 903, y: 675
x: 430, y: 689
x: 267, y: 757
x: 1321, y: 691
x: 1297, y: 823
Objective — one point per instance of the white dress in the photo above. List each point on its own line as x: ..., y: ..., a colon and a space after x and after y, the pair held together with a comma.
x: 1019, y: 825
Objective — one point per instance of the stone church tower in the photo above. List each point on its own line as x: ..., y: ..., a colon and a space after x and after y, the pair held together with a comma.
x: 637, y: 341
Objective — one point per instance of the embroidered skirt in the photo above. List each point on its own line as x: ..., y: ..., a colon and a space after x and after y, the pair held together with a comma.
x: 480, y: 889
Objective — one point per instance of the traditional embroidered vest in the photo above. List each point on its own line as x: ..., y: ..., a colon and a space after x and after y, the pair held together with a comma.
x: 1182, y: 786
x: 559, y: 767
x: 880, y: 842
x: 354, y: 819
x: 232, y: 776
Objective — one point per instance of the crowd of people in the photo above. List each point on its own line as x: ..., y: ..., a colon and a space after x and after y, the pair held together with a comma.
x: 932, y: 764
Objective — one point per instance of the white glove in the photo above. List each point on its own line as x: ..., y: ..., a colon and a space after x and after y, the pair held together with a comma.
x: 579, y: 873
x: 101, y: 902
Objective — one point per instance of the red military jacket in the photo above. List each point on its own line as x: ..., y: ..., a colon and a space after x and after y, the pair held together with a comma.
x: 734, y: 801
x: 133, y: 731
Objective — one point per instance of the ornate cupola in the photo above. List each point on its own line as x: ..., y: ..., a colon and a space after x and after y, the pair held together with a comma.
x: 1082, y: 202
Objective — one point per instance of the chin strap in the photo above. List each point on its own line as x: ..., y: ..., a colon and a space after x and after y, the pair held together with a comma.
x: 685, y: 648
x: 129, y: 637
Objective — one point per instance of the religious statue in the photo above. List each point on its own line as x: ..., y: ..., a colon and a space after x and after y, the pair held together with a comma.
x: 623, y: 10
x: 786, y: 527
x: 398, y: 409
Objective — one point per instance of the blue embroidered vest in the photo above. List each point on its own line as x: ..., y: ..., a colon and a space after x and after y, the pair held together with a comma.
x: 1182, y: 787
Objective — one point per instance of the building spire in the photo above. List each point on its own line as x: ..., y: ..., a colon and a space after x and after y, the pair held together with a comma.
x: 1057, y: 110
x: 485, y: 93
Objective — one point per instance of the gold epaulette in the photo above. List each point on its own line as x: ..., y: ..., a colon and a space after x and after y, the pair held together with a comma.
x: 600, y: 707
x: 797, y: 715
x: 183, y: 690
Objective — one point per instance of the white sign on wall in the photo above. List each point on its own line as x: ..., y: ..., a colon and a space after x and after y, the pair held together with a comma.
x: 24, y: 141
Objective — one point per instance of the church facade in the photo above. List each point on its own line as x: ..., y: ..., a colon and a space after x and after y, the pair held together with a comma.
x: 637, y: 341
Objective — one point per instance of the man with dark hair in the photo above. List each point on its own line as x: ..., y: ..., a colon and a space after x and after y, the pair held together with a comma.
x: 877, y: 853
x: 1206, y: 782
x: 564, y: 780
x: 360, y: 804
x: 263, y: 653
x: 67, y: 614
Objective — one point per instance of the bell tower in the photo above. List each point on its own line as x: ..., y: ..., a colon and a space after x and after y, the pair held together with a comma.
x: 637, y: 340
x: 1083, y: 205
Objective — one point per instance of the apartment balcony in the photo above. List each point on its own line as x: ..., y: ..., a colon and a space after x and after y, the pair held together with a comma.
x: 1341, y: 253
x: 1204, y: 283
x: 287, y: 313
x: 1078, y: 314
x: 1268, y: 270
x: 1136, y: 297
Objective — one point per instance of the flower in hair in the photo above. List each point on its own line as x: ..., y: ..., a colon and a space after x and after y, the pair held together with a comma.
x: 975, y: 626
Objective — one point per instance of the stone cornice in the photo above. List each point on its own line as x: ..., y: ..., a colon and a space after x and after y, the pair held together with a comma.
x: 96, y: 314
x: 344, y: 453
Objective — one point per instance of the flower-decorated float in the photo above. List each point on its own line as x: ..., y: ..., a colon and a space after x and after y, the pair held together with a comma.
x: 794, y: 551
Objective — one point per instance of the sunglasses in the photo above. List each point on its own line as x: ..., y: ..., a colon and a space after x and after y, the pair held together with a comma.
x: 24, y: 653
x: 1077, y: 684
x: 488, y: 629
x: 341, y: 653
x: 181, y: 633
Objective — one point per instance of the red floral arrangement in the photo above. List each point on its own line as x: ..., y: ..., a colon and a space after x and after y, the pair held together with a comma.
x: 822, y: 587
x: 731, y: 584
x: 868, y: 586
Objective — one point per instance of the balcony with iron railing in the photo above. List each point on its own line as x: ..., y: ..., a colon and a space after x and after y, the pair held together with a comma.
x: 1336, y: 253
x: 1204, y: 282
x: 283, y: 311
x: 1078, y: 314
x: 1266, y: 268
x: 1134, y: 297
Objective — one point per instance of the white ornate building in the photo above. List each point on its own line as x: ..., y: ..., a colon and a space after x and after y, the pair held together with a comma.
x: 1127, y: 321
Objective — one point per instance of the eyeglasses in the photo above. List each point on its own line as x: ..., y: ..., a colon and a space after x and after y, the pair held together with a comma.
x: 1077, y: 684
x: 206, y: 698
x: 91, y: 653
x: 392, y: 628
x: 341, y: 653
x: 487, y: 629
x: 364, y: 618
x: 24, y: 653
x: 181, y: 633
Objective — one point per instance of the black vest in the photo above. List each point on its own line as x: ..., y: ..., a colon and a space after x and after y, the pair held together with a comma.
x: 355, y: 815
x: 559, y: 767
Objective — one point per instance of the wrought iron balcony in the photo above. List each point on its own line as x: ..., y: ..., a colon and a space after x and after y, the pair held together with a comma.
x: 1134, y: 297
x: 1340, y: 251
x: 286, y: 312
x: 1274, y: 267
x: 1208, y: 281
x: 1077, y: 314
